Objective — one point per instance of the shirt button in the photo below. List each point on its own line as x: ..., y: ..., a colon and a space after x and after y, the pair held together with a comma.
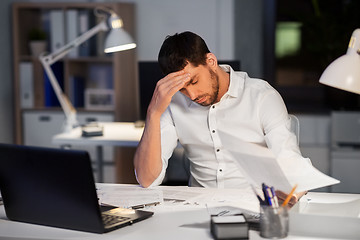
x: 213, y: 106
x: 213, y: 131
x: 218, y: 150
x: 220, y: 170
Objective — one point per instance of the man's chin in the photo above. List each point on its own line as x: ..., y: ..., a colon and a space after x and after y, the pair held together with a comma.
x: 206, y: 103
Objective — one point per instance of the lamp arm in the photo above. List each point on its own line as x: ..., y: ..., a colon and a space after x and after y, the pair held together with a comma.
x: 63, y: 51
x: 48, y: 60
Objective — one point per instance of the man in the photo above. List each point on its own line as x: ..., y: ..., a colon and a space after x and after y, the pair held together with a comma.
x: 194, y: 102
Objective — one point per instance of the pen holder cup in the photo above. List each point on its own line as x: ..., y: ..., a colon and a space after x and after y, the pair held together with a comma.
x: 274, y: 222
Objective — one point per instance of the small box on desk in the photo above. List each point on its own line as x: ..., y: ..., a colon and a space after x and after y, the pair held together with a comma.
x: 92, y: 130
x: 229, y: 227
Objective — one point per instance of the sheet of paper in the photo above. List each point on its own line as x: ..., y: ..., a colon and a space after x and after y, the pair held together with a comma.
x: 224, y: 211
x: 182, y: 193
x: 259, y: 165
x: 127, y: 196
x: 213, y: 198
x: 179, y: 198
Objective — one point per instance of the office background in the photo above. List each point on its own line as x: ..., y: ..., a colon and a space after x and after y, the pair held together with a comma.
x: 233, y: 29
x: 215, y: 23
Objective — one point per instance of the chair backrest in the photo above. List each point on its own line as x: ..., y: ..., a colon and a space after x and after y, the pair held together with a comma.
x: 295, y: 126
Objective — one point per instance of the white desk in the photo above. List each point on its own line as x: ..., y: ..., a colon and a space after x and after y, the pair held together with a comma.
x: 190, y: 221
x: 123, y: 134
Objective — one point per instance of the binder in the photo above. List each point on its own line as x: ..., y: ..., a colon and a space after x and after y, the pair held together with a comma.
x: 50, y: 96
x: 77, y: 91
x: 26, y: 85
x: 101, y: 75
x: 57, y: 31
x: 84, y: 48
x: 72, y: 30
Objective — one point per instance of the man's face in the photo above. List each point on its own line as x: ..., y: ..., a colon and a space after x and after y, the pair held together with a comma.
x: 203, y: 87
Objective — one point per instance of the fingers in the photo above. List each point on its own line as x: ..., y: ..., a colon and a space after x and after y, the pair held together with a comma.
x: 166, y: 88
x: 293, y: 200
x: 175, y: 74
x: 174, y: 81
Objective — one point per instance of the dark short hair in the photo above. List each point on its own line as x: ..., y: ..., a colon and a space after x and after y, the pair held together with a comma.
x: 179, y: 49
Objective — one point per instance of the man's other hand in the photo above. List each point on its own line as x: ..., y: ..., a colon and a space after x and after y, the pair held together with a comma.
x: 293, y: 200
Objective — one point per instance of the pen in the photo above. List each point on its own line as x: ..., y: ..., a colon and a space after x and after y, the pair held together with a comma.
x: 222, y: 213
x: 145, y: 205
x: 270, y: 197
x: 287, y: 199
x: 264, y: 186
x: 276, y: 202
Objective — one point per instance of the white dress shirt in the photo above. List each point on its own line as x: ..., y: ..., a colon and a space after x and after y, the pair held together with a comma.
x: 251, y: 110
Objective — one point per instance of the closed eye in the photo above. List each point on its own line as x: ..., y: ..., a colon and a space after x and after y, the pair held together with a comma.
x: 193, y: 81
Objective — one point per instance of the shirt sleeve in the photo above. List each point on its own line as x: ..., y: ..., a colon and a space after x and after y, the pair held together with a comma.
x: 169, y: 141
x: 276, y: 124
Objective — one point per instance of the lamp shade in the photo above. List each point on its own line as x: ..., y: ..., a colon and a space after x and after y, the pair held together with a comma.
x: 118, y: 39
x: 344, y: 72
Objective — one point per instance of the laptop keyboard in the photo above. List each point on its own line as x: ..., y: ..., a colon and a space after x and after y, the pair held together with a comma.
x: 112, y: 220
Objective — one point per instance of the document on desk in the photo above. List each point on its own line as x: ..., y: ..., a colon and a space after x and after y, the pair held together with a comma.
x: 259, y: 165
x: 128, y: 196
x: 211, y: 198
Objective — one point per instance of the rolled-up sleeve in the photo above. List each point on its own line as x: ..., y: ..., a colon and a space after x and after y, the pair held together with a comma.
x: 169, y: 141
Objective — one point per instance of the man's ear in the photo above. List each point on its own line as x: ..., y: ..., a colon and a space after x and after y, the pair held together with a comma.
x: 211, y: 60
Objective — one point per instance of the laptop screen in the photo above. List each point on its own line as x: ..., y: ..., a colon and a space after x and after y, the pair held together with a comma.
x: 48, y: 186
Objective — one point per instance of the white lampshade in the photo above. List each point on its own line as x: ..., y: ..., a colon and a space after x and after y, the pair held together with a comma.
x: 344, y: 72
x: 118, y: 39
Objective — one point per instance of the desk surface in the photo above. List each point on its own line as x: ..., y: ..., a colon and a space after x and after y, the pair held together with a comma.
x: 115, y: 134
x: 122, y: 134
x: 189, y: 221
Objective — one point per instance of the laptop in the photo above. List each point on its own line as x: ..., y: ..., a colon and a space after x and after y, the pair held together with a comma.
x: 55, y: 187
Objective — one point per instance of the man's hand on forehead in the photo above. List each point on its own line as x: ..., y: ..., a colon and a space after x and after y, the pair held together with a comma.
x: 179, y: 75
x: 166, y: 88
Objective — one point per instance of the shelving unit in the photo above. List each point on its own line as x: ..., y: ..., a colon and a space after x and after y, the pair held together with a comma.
x: 123, y: 65
x: 29, y: 15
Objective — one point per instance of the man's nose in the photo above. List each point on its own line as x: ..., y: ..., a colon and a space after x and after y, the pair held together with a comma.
x: 191, y: 94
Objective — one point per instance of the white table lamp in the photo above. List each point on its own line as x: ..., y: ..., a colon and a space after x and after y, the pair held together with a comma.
x: 344, y: 72
x: 117, y: 40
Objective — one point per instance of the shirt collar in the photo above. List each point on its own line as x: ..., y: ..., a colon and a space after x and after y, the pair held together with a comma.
x: 235, y: 81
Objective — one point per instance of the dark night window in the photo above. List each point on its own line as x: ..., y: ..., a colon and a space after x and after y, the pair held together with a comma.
x: 309, y: 35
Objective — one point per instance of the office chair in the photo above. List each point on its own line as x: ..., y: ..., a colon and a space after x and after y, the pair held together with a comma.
x: 295, y: 126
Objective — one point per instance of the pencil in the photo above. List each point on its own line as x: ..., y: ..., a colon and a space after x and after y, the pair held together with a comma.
x: 287, y: 199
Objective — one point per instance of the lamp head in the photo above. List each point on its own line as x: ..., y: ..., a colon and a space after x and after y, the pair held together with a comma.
x: 344, y: 72
x: 118, y: 39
